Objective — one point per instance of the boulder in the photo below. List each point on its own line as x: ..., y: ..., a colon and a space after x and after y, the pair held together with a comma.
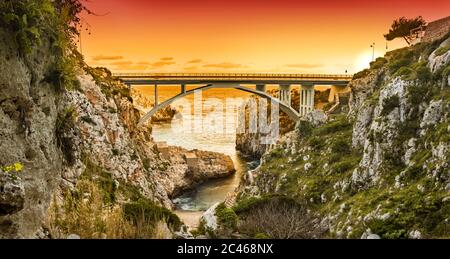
x: 73, y: 236
x: 12, y: 195
x: 415, y: 234
x: 209, y: 218
x: 316, y: 118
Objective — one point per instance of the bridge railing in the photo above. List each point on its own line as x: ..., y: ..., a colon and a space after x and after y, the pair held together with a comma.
x: 232, y: 75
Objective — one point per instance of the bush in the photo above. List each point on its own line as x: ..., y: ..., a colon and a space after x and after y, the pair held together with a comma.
x: 63, y: 75
x: 103, y: 179
x: 400, y: 58
x: 304, y: 128
x: 249, y: 203
x: 361, y: 74
x: 278, y: 218
x: 28, y: 20
x: 389, y: 104
x: 227, y: 217
x: 340, y: 124
x: 341, y: 146
x: 378, y: 63
x: 442, y: 50
x: 345, y: 165
x: 144, y: 211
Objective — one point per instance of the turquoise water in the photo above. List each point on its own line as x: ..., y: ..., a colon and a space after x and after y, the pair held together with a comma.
x: 208, y: 139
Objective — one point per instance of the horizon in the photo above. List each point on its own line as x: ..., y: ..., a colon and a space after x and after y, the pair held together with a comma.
x: 249, y: 37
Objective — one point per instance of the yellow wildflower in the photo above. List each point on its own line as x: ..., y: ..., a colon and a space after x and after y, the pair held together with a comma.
x: 17, y: 167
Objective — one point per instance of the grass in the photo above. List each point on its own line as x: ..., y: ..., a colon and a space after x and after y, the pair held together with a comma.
x: 442, y: 50
x: 92, y: 210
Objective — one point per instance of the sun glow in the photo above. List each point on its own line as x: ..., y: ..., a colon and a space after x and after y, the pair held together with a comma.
x: 364, y: 59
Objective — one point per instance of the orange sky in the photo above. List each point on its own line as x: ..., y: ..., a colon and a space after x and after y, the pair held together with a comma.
x: 244, y: 36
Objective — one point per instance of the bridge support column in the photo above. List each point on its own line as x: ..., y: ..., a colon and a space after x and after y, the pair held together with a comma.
x: 156, y: 95
x: 306, y: 99
x: 285, y: 94
x: 261, y: 88
x: 183, y: 89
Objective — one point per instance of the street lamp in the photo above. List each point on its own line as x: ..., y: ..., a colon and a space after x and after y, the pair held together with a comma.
x: 373, y: 51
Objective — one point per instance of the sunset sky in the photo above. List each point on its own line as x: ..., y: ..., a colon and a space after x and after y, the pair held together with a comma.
x: 313, y: 36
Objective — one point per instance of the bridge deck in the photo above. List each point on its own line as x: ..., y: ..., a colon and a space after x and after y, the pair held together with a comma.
x: 174, y: 78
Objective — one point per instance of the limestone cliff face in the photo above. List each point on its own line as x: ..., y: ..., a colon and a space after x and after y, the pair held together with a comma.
x: 28, y: 113
x: 382, y: 170
x: 51, y: 139
x: 249, y: 144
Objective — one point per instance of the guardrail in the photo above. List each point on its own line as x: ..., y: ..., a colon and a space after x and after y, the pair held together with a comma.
x: 231, y: 75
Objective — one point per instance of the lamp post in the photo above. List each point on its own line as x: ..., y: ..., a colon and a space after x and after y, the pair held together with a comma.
x: 373, y: 51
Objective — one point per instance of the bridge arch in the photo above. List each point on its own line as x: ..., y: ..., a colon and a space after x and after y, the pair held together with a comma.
x: 292, y: 113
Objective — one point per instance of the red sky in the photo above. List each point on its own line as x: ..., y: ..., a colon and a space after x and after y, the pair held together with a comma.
x: 247, y: 35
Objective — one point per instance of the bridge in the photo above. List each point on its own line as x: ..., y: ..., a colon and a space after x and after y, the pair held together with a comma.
x: 307, y: 82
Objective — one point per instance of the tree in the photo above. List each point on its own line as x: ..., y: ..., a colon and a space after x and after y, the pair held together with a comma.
x: 401, y: 28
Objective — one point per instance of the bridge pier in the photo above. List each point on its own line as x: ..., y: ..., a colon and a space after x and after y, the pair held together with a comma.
x: 306, y: 99
x: 183, y: 88
x: 285, y: 94
x: 156, y: 95
x: 261, y: 88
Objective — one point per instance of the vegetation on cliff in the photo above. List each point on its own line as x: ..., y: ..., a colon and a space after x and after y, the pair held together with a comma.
x: 381, y: 170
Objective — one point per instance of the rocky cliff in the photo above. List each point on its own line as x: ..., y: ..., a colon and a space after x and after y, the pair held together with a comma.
x: 72, y: 158
x: 380, y: 171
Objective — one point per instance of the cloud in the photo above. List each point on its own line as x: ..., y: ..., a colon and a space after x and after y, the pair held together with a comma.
x: 131, y: 67
x: 101, y: 57
x: 191, y: 68
x: 122, y: 63
x: 195, y: 61
x: 144, y: 63
x: 166, y: 59
x: 304, y: 65
x: 224, y: 65
x: 160, y: 64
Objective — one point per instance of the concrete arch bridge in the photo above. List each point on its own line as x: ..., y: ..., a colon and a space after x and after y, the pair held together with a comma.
x: 307, y: 82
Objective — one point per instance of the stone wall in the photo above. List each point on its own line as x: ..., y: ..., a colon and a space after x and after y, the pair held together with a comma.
x: 437, y: 29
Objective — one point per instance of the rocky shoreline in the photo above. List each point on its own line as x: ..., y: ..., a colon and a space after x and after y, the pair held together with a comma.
x: 182, y: 175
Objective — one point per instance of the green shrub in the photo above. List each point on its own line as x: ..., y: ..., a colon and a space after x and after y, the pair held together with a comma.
x: 340, y: 124
x: 104, y: 180
x: 341, y: 146
x: 400, y: 58
x: 346, y: 164
x: 317, y: 143
x: 28, y: 20
x: 417, y: 93
x: 442, y: 50
x: 304, y: 128
x: 405, y: 73
x: 361, y: 74
x: 63, y: 75
x: 378, y: 63
x: 248, y: 203
x: 226, y: 216
x: 146, y: 211
x: 389, y: 104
